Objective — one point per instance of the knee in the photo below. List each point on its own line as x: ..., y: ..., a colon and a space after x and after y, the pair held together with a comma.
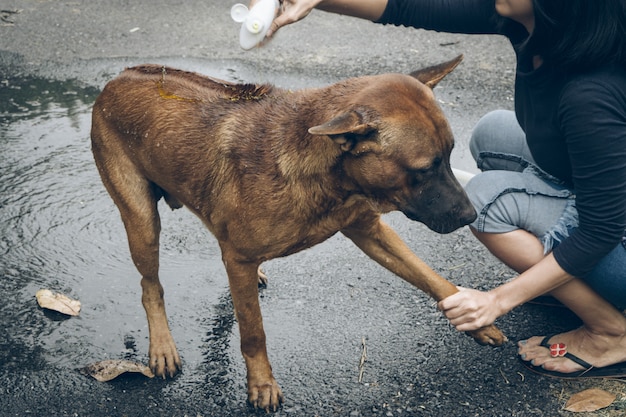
x: 488, y: 131
x: 495, y: 202
x: 483, y: 189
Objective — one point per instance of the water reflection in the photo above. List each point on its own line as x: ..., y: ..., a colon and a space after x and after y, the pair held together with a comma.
x: 60, y: 230
x: 42, y: 144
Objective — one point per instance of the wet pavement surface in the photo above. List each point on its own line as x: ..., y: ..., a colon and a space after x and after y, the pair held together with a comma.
x: 323, y: 308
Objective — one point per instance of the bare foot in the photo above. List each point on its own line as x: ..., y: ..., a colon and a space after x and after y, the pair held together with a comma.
x: 599, y: 350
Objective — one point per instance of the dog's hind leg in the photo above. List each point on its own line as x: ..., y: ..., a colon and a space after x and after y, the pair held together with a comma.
x: 143, y: 229
x: 136, y: 199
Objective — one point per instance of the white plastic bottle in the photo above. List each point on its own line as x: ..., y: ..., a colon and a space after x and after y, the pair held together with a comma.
x: 255, y: 22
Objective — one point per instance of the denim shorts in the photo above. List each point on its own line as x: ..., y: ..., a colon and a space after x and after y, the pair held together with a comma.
x: 513, y: 193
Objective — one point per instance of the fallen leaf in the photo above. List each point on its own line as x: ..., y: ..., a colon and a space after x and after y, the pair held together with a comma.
x: 108, y: 370
x: 58, y: 302
x: 592, y: 399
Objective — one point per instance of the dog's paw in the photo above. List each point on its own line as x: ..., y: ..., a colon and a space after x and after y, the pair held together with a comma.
x: 266, y: 396
x: 489, y: 335
x: 164, y: 360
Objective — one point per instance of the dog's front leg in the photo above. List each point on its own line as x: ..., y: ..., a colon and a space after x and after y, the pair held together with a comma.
x: 382, y: 244
x: 263, y: 390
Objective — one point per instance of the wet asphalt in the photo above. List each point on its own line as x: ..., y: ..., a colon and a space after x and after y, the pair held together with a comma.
x: 324, y: 308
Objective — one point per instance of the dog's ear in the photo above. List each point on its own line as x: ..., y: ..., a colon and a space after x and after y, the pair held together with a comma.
x: 348, y: 122
x: 432, y: 75
x: 344, y: 129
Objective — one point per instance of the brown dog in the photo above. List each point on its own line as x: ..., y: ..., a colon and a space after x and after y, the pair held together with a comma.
x: 271, y: 172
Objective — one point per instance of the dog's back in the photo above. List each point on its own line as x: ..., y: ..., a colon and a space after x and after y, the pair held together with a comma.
x: 176, y: 84
x: 210, y: 145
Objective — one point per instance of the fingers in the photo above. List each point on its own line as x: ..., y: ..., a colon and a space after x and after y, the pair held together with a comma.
x: 453, y: 305
x: 282, y: 20
x: 291, y: 11
x: 468, y: 310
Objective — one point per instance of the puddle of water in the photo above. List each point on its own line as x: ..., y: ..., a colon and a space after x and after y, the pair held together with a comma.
x: 60, y: 230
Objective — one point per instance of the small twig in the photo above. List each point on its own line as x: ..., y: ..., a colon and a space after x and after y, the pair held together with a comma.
x: 452, y: 268
x: 363, y: 360
x: 503, y: 376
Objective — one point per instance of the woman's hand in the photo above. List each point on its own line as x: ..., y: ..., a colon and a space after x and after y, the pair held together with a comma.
x: 290, y: 11
x: 470, y: 309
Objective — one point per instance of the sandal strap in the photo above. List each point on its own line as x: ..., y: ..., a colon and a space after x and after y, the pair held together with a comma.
x: 546, y: 343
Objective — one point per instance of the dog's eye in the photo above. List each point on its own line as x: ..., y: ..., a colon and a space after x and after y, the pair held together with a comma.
x: 426, y: 169
x: 421, y: 171
x: 416, y: 172
x: 417, y: 176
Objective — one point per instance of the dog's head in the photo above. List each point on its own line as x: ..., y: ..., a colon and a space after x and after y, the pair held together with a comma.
x: 396, y: 145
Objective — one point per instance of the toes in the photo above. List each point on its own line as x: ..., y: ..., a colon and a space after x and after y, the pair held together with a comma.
x: 165, y: 363
x: 267, y: 397
x: 523, y: 346
x: 531, y: 351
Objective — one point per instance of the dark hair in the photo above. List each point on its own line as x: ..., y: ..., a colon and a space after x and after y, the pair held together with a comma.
x: 579, y: 35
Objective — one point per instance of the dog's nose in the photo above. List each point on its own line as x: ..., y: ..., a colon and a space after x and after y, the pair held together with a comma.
x: 468, y: 215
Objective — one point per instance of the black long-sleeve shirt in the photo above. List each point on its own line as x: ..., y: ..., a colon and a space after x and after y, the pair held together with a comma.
x: 575, y: 124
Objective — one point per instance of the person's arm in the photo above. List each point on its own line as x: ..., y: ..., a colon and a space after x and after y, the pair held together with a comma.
x: 472, y: 309
x: 455, y: 16
x: 295, y: 10
x: 364, y: 9
x: 592, y: 117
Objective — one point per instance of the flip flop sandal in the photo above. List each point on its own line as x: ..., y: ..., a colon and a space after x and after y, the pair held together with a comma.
x: 617, y: 370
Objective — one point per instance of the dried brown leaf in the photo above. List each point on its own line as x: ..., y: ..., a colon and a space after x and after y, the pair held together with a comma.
x: 58, y: 302
x: 108, y: 370
x: 592, y: 399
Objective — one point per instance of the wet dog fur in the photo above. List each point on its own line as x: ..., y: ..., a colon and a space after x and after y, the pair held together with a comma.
x: 271, y: 172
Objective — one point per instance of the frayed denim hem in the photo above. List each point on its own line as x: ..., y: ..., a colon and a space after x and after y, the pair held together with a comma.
x: 562, y: 229
x: 538, y: 172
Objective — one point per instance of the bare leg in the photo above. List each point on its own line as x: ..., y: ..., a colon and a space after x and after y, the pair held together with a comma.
x: 518, y: 249
x: 601, y: 340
